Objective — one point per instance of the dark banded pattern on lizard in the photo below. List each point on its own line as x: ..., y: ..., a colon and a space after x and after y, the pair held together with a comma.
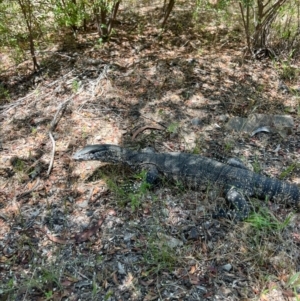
x: 196, y: 171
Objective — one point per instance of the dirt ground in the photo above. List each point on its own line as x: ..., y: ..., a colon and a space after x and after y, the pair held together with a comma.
x: 87, y: 230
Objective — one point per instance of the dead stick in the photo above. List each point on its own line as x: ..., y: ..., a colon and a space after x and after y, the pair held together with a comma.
x: 53, y: 124
x: 146, y: 127
x: 22, y: 194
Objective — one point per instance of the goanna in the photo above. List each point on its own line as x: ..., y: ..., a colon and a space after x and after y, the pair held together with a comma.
x: 237, y: 182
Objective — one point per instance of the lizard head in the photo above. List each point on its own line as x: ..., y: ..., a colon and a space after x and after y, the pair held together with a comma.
x: 100, y: 152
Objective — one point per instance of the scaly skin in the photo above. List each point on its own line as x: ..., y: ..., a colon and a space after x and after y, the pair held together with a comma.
x: 196, y: 171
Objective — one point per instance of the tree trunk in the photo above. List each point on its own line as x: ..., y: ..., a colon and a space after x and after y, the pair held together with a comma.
x: 113, y: 17
x: 26, y: 9
x: 167, y: 12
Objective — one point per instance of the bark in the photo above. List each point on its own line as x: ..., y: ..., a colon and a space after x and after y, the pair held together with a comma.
x: 26, y: 8
x: 167, y: 12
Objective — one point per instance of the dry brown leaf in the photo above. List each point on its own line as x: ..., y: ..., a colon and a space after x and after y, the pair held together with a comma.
x: 193, y: 269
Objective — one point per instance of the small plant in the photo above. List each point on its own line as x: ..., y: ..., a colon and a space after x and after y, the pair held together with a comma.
x: 134, y: 201
x: 99, y: 259
x: 138, y: 195
x: 228, y: 146
x: 117, y: 190
x: 49, y: 276
x: 41, y: 279
x: 264, y: 220
x: 4, y: 94
x: 256, y: 165
x: 294, y: 281
x: 18, y: 164
x: 286, y: 70
x: 128, y: 192
x: 33, y: 130
x: 180, y: 186
x: 100, y: 43
x: 49, y: 295
x: 260, y: 88
x: 161, y: 112
x: 75, y: 86
x: 200, y: 51
x: 173, y: 128
x: 95, y: 286
x: 108, y: 295
x: 196, y: 150
x: 159, y: 255
x: 141, y: 28
x: 288, y: 171
x: 84, y: 132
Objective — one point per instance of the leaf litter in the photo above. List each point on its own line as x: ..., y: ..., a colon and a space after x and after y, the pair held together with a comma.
x: 66, y: 228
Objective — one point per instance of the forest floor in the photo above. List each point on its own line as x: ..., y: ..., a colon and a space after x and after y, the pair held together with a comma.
x: 88, y: 230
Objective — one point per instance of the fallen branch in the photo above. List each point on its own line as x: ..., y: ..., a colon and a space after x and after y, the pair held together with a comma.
x: 12, y: 105
x: 52, y: 153
x: 53, y: 125
x: 147, y: 127
x: 22, y: 194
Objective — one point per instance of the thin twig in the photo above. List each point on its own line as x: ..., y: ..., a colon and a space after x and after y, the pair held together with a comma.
x: 8, y: 107
x: 53, y: 125
x: 52, y: 153
x: 101, y: 76
x: 168, y: 147
x: 147, y: 127
x: 21, y: 195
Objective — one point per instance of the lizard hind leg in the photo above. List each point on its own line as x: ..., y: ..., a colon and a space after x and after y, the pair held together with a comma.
x: 240, y: 207
x: 152, y: 175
